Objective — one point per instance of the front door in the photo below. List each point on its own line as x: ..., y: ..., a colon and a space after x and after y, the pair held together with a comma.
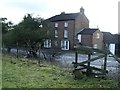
x: 65, y: 45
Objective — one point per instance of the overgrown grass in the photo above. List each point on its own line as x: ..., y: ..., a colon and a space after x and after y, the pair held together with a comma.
x: 21, y: 73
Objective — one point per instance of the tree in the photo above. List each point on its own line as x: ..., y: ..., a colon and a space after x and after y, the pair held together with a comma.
x: 6, y: 25
x: 30, y: 32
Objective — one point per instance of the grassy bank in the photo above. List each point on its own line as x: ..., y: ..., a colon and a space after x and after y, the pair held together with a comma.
x: 19, y: 73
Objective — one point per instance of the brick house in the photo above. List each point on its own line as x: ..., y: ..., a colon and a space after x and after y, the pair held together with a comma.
x: 108, y: 41
x: 65, y: 27
x: 112, y: 41
x: 92, y: 37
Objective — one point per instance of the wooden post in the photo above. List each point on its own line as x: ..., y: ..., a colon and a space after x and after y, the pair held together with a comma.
x: 39, y: 54
x: 17, y: 49
x: 89, y: 57
x: 105, y: 64
x: 88, y: 68
x: 119, y: 75
x: 76, y: 57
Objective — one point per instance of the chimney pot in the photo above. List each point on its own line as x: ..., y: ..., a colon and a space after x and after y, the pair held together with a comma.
x: 82, y: 10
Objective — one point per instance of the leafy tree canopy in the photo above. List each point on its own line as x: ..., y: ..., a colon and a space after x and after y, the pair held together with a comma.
x: 6, y: 25
x: 29, y: 32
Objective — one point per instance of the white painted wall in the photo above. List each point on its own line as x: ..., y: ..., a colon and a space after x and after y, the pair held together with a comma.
x: 79, y: 37
x: 112, y: 48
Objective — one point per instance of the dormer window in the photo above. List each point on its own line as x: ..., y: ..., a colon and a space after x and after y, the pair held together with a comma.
x: 66, y: 24
x: 56, y: 24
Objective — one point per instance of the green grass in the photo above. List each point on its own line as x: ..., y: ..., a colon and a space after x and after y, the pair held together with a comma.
x: 21, y: 73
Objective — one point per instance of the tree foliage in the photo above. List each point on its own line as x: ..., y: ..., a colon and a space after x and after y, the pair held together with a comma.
x: 30, y: 32
x: 6, y: 25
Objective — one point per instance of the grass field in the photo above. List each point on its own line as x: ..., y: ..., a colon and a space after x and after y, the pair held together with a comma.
x: 21, y: 73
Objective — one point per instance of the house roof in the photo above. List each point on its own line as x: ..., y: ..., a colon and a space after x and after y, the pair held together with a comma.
x: 88, y: 31
x: 116, y: 38
x: 107, y: 37
x: 110, y: 38
x: 63, y: 16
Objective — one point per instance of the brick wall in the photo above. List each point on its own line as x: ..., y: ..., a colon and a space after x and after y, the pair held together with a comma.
x: 60, y: 29
x: 98, y: 41
x: 81, y: 22
x: 86, y: 40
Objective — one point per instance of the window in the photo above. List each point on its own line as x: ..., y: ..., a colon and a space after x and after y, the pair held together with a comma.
x: 47, y: 43
x: 56, y: 24
x: 65, y: 24
x: 112, y: 48
x: 98, y: 36
x: 65, y: 34
x: 95, y: 46
x: 79, y: 38
x: 56, y: 34
x: 65, y: 45
x: 56, y: 43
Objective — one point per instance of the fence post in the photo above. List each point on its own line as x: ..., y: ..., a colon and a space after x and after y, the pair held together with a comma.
x: 76, y: 58
x: 119, y: 75
x: 39, y: 54
x: 105, y: 64
x: 17, y: 49
x: 89, y: 71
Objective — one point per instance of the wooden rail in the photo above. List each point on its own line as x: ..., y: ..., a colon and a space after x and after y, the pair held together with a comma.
x: 89, y: 51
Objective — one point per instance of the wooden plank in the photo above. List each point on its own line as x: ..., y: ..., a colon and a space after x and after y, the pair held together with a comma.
x: 93, y: 59
x: 118, y: 60
x: 93, y: 73
x: 80, y: 68
x: 95, y: 68
x: 90, y: 49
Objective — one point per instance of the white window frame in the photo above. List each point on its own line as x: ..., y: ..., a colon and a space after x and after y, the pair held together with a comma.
x: 95, y: 46
x: 112, y: 48
x: 65, y: 33
x: 56, y: 24
x: 56, y: 33
x: 65, y: 44
x: 98, y: 35
x: 56, y: 43
x: 66, y: 24
x: 47, y: 43
x: 79, y: 38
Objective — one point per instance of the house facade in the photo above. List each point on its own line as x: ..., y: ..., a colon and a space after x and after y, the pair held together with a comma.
x: 117, y: 44
x: 92, y: 37
x: 65, y: 28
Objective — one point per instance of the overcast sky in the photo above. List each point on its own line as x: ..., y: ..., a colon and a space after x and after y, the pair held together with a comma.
x: 101, y: 13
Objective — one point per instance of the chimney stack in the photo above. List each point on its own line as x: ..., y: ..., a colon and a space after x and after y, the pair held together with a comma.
x: 82, y: 10
x: 62, y: 13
